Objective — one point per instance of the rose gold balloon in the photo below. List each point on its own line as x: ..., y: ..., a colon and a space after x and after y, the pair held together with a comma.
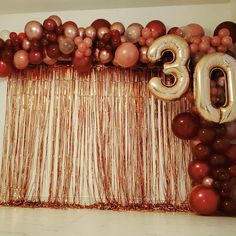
x: 33, y: 30
x: 192, y: 30
x: 90, y: 32
x: 105, y: 56
x: 81, y: 32
x: 66, y: 45
x: 207, y: 182
x: 118, y: 26
x: 136, y: 25
x: 143, y: 55
x: 21, y: 59
x: 26, y: 44
x: 101, y: 31
x: 57, y: 19
x: 126, y: 55
x: 70, y: 31
x: 132, y: 33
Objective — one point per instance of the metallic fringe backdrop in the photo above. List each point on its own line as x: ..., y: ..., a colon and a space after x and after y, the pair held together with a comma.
x: 98, y: 140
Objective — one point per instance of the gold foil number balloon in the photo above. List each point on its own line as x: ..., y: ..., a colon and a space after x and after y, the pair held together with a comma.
x: 177, y: 67
x: 202, y: 97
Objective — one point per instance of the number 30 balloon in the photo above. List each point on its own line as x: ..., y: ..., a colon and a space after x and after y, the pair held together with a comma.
x: 178, y: 68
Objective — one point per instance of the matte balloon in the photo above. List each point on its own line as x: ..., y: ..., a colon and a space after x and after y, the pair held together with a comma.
x: 126, y: 55
x: 83, y: 64
x: 33, y: 30
x: 21, y: 59
x: 66, y: 45
x: 5, y: 68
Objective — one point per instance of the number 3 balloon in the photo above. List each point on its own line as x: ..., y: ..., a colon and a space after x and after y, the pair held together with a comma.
x: 177, y: 68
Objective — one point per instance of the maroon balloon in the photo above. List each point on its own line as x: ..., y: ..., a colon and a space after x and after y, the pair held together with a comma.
x: 231, y: 26
x: 5, y: 68
x: 231, y: 153
x: 7, y: 55
x: 100, y: 23
x: 83, y: 64
x: 198, y: 170
x: 49, y: 24
x: 185, y: 125
x: 35, y: 57
x: 157, y: 27
x: 53, y: 51
x: 204, y: 200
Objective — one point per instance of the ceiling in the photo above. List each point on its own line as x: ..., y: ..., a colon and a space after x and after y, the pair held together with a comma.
x: 24, y: 6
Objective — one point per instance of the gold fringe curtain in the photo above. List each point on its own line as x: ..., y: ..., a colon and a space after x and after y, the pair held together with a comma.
x: 96, y: 140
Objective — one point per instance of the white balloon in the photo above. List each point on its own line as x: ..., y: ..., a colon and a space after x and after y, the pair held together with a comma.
x: 4, y: 35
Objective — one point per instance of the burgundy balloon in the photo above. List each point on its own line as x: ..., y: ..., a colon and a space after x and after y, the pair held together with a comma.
x: 231, y: 152
x: 82, y: 64
x: 204, y: 200
x: 100, y: 23
x: 49, y: 24
x: 231, y: 26
x: 185, y: 125
x: 5, y: 68
x: 35, y: 58
x: 52, y: 37
x: 157, y: 27
x: 7, y: 54
x: 198, y: 170
x: 53, y: 51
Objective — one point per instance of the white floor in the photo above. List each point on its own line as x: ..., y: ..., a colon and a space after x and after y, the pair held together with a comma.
x: 49, y: 222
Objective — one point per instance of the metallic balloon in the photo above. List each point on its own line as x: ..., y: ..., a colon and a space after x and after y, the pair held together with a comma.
x: 177, y: 68
x: 133, y: 33
x: 66, y: 45
x: 34, y: 30
x: 118, y: 26
x: 202, y: 95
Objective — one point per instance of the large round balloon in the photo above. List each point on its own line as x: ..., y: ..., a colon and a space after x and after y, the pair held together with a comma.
x: 126, y: 55
x: 34, y: 30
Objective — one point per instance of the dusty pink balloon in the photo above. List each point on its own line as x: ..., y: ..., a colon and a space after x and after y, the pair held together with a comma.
x: 126, y: 55
x: 21, y: 59
x: 70, y: 31
x: 90, y: 32
x: 66, y: 45
x: 26, y: 44
x: 192, y: 30
x: 34, y: 30
x: 102, y: 31
x: 105, y: 56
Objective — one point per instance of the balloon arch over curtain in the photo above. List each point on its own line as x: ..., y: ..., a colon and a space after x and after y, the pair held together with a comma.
x: 119, y: 118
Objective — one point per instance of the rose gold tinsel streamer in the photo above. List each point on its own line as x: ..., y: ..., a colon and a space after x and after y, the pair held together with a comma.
x: 98, y: 141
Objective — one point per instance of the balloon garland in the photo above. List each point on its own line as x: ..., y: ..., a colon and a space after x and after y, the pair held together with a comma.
x: 185, y: 49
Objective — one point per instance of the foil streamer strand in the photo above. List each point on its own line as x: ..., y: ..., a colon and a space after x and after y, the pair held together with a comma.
x: 97, y: 140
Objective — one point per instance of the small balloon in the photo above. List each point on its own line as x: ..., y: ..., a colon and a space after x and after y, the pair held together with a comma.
x: 90, y: 32
x: 143, y: 55
x: 105, y: 56
x: 66, y: 45
x: 21, y: 59
x: 126, y: 55
x: 26, y: 44
x: 118, y: 26
x: 4, y: 34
